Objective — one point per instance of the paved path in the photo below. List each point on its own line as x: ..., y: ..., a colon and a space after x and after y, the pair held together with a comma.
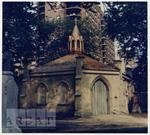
x: 101, y: 124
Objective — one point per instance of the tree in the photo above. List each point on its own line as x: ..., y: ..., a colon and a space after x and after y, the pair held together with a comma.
x: 44, y: 30
x: 24, y: 34
x: 126, y: 22
x: 19, y: 30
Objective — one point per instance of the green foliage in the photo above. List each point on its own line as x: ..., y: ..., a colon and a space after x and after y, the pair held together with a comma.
x: 56, y: 44
x: 19, y: 29
x: 127, y: 22
x: 24, y: 35
x: 88, y: 32
x: 44, y: 29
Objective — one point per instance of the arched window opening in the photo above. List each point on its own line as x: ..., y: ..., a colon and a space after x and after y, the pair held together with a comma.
x: 41, y: 95
x: 73, y: 44
x: 62, y: 92
x: 78, y: 44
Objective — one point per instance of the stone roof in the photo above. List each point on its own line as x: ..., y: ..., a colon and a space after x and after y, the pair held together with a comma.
x: 88, y: 63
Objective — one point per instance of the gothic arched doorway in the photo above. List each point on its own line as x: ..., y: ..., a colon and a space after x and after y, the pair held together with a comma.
x: 99, y: 98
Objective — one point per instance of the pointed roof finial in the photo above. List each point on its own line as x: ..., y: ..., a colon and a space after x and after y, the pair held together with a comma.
x: 76, y: 32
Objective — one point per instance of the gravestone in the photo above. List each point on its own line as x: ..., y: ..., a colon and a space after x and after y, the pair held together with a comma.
x: 9, y: 98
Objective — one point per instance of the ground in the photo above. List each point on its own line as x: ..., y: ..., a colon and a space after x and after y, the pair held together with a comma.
x: 136, y: 123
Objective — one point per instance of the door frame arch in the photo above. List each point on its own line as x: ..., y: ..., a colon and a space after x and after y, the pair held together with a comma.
x: 108, y: 88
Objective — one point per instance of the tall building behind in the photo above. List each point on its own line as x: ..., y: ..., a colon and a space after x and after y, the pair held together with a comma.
x: 104, y: 47
x: 51, y: 10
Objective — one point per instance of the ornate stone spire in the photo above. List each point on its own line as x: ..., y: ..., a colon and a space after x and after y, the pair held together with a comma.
x: 75, y: 32
x: 76, y: 44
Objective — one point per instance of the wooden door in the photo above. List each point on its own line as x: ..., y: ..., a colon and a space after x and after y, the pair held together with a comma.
x: 99, y: 98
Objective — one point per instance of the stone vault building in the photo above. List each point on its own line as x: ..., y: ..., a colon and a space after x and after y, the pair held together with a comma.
x: 77, y: 84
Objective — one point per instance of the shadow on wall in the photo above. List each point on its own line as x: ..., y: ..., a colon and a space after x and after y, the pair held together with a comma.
x: 64, y: 111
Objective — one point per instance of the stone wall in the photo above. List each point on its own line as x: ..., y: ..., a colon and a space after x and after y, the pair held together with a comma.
x: 77, y: 97
x: 53, y: 93
x: 117, y: 101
